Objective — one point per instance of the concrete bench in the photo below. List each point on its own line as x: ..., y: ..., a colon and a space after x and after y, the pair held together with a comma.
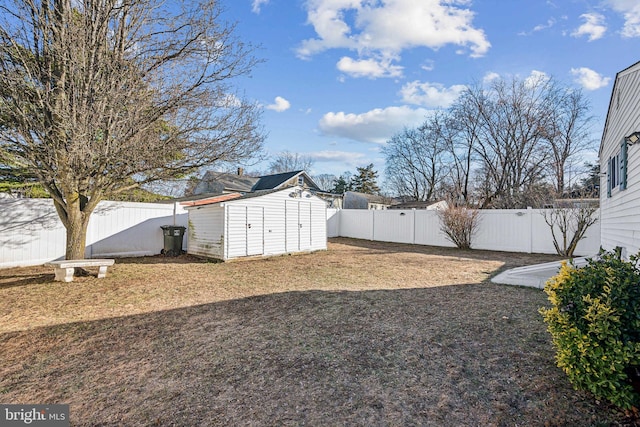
x: 64, y: 269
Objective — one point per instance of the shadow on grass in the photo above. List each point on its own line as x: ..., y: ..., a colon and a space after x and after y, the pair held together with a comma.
x: 453, y: 355
x: 477, y: 254
x: 164, y: 259
x: 18, y: 280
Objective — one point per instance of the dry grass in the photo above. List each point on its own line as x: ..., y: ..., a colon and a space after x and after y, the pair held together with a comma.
x: 363, y: 334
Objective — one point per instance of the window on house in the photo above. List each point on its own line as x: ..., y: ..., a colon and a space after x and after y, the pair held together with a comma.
x: 617, y: 170
x: 301, y: 181
x: 622, y: 164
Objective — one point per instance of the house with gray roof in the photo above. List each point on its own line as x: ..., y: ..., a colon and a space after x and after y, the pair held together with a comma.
x: 216, y: 183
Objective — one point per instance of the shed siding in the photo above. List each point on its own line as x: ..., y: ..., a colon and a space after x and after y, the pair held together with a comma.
x: 272, y: 224
x: 274, y: 229
x: 304, y: 219
x: 290, y: 224
x: 206, y: 231
x: 620, y: 222
x: 292, y: 238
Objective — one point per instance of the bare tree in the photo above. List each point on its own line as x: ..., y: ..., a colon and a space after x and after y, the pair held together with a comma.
x: 511, y: 144
x: 98, y: 97
x: 569, y: 224
x: 567, y: 133
x: 325, y: 181
x: 414, y: 159
x: 287, y: 161
x: 461, y: 137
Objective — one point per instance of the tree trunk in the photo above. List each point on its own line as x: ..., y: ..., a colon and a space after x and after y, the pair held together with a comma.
x: 77, y: 236
x: 75, y: 212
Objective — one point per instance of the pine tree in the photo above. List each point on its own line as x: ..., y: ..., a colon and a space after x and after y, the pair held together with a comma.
x: 342, y: 184
x: 365, y: 181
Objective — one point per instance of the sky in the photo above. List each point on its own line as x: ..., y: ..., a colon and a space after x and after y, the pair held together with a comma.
x: 341, y: 77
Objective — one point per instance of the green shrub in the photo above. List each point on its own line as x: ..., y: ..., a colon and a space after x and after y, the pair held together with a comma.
x: 594, y: 320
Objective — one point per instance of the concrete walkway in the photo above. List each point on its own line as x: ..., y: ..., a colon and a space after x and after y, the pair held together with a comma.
x: 534, y: 276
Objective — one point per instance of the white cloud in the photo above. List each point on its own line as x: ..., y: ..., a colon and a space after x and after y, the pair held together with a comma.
x: 589, y: 79
x: 550, y: 23
x: 371, y: 68
x: 430, y: 94
x: 336, y: 156
x: 631, y: 12
x: 489, y: 77
x: 535, y: 78
x: 279, y: 105
x: 229, y: 101
x: 376, y: 126
x: 428, y: 65
x: 593, y: 26
x: 257, y: 5
x: 385, y: 28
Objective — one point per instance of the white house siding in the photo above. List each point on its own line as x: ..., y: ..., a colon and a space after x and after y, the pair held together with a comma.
x: 206, y: 231
x: 620, y: 213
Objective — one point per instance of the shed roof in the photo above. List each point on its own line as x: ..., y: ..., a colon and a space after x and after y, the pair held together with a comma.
x: 235, y: 197
x: 210, y: 200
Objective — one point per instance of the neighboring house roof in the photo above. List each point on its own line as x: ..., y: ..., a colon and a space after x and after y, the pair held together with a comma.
x: 419, y: 205
x: 356, y: 200
x: 371, y: 198
x: 269, y: 182
x: 218, y: 182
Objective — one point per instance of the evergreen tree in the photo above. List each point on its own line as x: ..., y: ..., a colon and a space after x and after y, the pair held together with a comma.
x: 591, y: 183
x: 365, y: 181
x: 342, y: 184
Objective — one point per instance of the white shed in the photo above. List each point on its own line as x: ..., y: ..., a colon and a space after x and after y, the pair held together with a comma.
x: 620, y: 165
x: 257, y: 224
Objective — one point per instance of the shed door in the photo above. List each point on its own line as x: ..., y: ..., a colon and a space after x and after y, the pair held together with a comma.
x: 292, y: 239
x: 304, y: 221
x: 255, y: 228
x: 244, y: 231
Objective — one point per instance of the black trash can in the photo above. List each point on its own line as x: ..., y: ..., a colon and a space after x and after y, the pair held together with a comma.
x: 172, y: 239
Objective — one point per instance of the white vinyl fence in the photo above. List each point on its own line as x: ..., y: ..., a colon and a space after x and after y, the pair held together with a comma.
x: 509, y: 230
x: 31, y: 232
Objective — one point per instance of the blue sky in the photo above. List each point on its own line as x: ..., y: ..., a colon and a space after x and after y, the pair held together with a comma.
x: 340, y: 77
